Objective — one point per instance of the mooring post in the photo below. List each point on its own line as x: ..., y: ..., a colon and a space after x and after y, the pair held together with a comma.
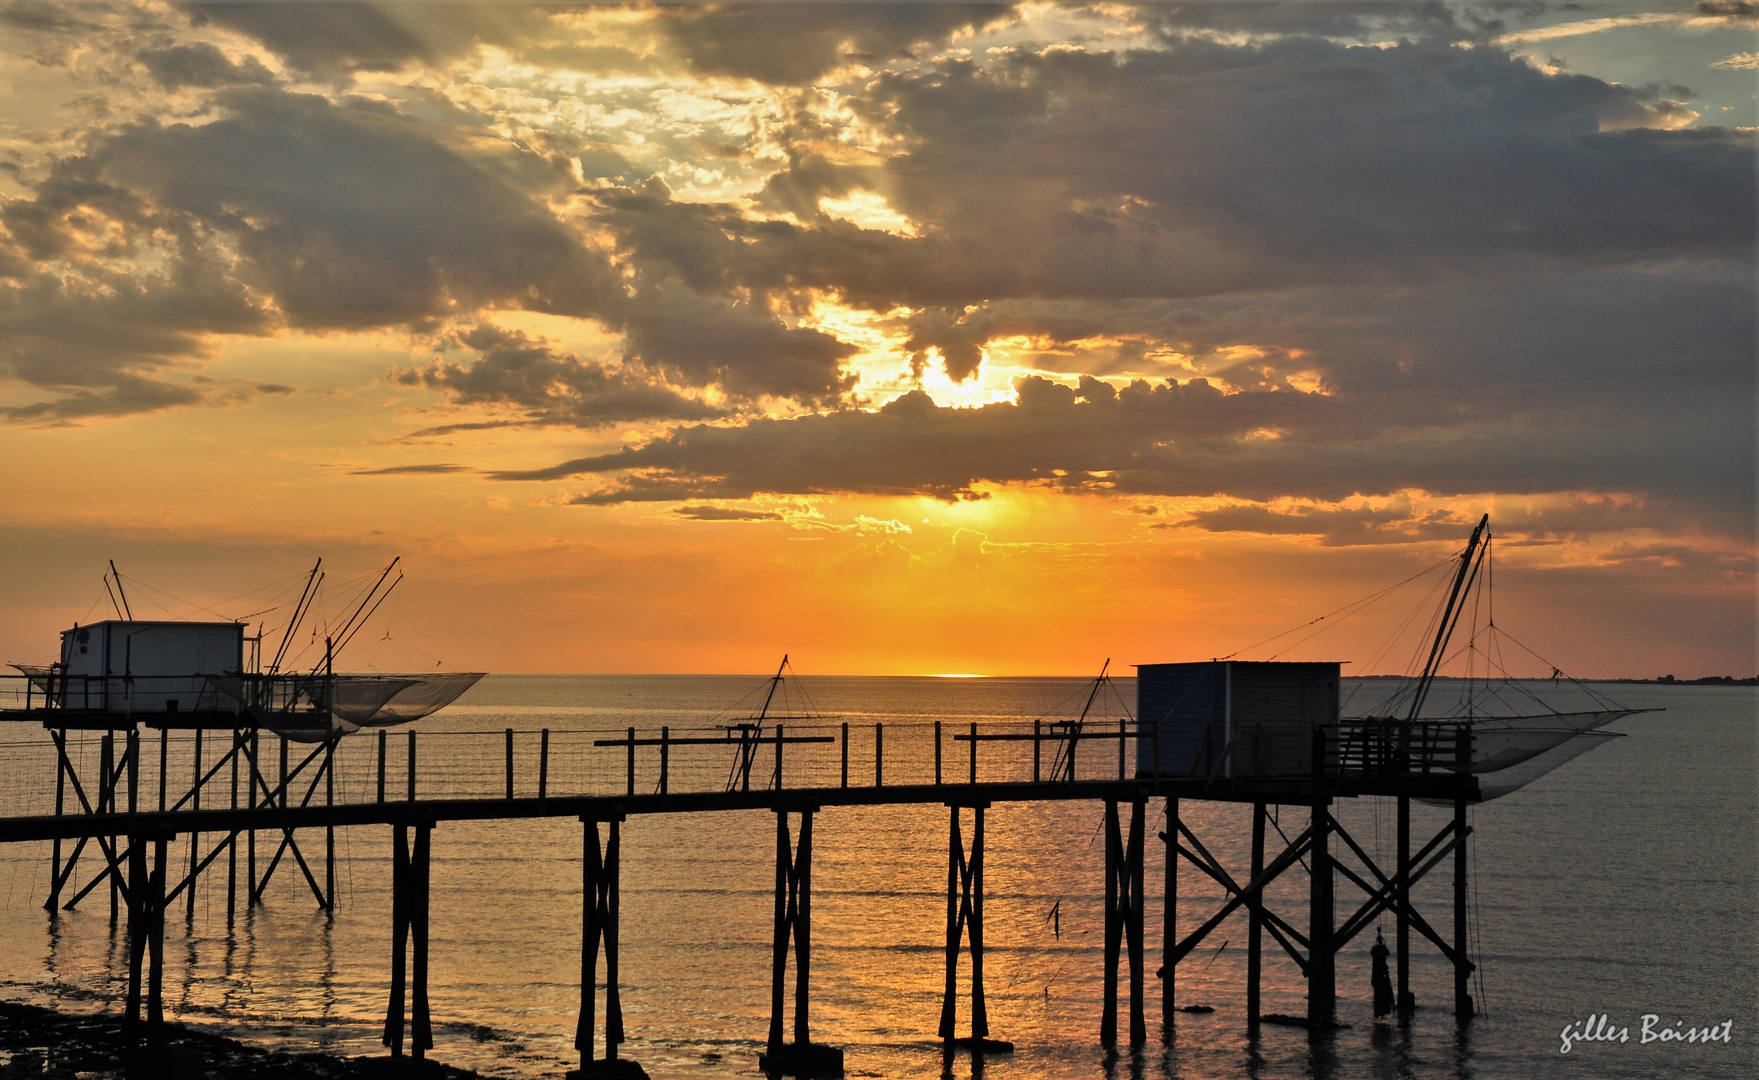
x: 1321, y: 973
x: 1255, y: 921
x: 1402, y: 907
x: 195, y: 796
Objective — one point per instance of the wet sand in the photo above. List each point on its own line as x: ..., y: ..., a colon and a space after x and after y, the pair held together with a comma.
x: 38, y: 1042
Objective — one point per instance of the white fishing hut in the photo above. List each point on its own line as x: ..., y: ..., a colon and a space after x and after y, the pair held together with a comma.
x: 128, y: 666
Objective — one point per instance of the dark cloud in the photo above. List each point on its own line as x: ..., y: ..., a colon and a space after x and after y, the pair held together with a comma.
x: 342, y: 37
x: 201, y: 65
x: 1188, y: 439
x: 410, y: 470
x: 725, y: 513
x: 107, y: 341
x: 352, y: 215
x: 796, y: 43
x: 550, y: 387
x: 1337, y: 526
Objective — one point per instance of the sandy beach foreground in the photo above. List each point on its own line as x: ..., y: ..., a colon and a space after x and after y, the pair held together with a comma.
x: 40, y: 1042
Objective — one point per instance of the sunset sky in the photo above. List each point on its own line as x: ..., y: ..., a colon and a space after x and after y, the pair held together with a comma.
x: 905, y: 339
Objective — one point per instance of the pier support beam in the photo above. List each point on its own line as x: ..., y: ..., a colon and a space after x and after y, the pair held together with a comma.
x: 802, y: 1057
x: 601, y: 881
x: 1321, y: 966
x: 1123, y: 927
x: 409, y: 935
x: 1463, y: 1007
x: 1169, y: 916
x: 965, y: 922
x: 1402, y: 907
x: 1255, y: 921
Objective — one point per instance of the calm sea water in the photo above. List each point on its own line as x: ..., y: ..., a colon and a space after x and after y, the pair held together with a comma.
x: 1626, y: 883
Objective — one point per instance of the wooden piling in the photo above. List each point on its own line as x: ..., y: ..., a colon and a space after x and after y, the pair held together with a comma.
x: 60, y: 740
x: 793, y: 919
x: 600, y: 888
x: 409, y: 784
x: 330, y: 830
x: 232, y: 844
x: 195, y: 796
x: 1133, y: 926
x: 879, y: 754
x: 421, y: 1035
x: 250, y: 851
x: 1321, y: 969
x: 543, y: 766
x: 1255, y: 921
x: 1402, y: 907
x: 509, y: 763
x: 393, y: 1036
x: 845, y: 753
x: 1108, y: 1017
x: 1169, y: 915
x: 155, y: 905
x: 382, y: 737
x: 107, y: 802
x: 937, y: 753
x: 1463, y: 1006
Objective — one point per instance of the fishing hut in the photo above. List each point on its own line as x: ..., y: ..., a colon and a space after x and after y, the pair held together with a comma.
x: 1270, y: 735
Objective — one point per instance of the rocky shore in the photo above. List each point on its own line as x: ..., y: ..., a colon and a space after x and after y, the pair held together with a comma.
x: 41, y: 1043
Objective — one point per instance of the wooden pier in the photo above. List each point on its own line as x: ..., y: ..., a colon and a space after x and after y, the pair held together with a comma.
x: 282, y: 783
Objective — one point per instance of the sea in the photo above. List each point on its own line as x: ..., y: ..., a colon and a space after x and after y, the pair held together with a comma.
x: 1618, y: 894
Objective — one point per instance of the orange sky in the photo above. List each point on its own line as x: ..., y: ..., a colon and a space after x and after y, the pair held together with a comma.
x: 904, y: 340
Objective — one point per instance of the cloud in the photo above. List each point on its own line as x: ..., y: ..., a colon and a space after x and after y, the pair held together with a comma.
x: 725, y: 513
x: 796, y: 44
x: 550, y: 387
x: 335, y: 39
x: 410, y: 470
x: 201, y: 64
x: 352, y: 215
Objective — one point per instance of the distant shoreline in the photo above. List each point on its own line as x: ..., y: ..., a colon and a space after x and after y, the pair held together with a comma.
x: 1663, y: 680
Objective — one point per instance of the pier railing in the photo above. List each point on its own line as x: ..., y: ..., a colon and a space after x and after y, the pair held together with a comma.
x: 1383, y: 747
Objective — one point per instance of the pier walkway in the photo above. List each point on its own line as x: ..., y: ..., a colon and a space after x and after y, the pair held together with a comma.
x: 794, y: 770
